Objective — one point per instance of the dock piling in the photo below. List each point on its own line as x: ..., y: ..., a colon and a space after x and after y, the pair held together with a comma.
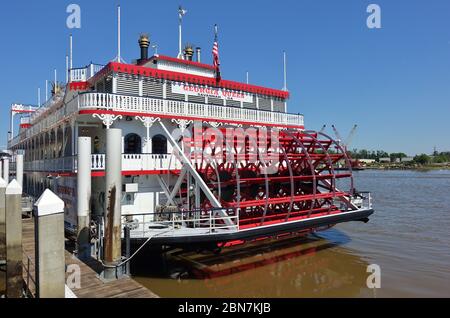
x: 13, y: 225
x: 84, y: 188
x: 19, y: 169
x: 113, y: 229
x: 49, y: 246
x: 3, y: 185
x: 6, y: 169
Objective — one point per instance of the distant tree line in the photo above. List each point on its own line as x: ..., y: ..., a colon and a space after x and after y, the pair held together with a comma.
x: 437, y: 157
x: 368, y: 154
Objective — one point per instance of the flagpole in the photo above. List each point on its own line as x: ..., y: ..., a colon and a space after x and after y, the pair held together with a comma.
x: 180, y: 55
x: 118, y: 34
x: 181, y: 13
x: 284, y: 72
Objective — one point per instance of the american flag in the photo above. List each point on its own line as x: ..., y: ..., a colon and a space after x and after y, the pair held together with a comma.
x: 215, y: 52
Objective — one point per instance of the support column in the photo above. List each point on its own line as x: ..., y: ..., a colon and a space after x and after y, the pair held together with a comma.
x: 49, y: 246
x: 113, y: 170
x: 84, y: 197
x: 14, y: 263
x: 19, y: 169
x: 148, y: 123
x: 3, y: 186
x: 6, y: 169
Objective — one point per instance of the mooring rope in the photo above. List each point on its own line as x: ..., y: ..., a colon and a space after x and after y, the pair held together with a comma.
x: 134, y: 254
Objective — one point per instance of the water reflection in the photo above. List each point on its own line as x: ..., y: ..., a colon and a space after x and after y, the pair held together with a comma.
x: 313, y: 266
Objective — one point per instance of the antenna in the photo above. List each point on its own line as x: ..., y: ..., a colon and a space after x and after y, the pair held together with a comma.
x: 119, y: 57
x: 46, y: 90
x: 39, y: 96
x: 70, y: 52
x: 284, y: 72
x: 67, y: 69
x: 247, y: 77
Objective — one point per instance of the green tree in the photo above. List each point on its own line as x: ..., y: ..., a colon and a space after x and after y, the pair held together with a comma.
x: 422, y: 159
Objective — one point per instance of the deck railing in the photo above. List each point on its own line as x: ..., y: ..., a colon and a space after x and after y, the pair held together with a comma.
x: 46, y: 117
x: 130, y: 162
x: 211, y: 221
x: 157, y: 106
x: 84, y: 73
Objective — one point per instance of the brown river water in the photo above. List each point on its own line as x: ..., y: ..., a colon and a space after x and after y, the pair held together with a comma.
x: 408, y: 237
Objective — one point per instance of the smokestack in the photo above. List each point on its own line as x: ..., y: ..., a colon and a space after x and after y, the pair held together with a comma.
x: 188, y: 52
x: 198, y: 52
x: 144, y: 43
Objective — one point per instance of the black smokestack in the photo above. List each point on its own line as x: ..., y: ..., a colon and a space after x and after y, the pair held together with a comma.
x: 188, y: 52
x: 198, y: 51
x: 144, y: 43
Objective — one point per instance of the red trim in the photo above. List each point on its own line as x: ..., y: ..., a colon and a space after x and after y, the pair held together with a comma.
x: 283, y: 220
x: 22, y: 111
x: 74, y: 86
x: 102, y: 173
x: 175, y: 60
x: 133, y: 114
x: 189, y: 78
x: 135, y: 172
x: 25, y: 125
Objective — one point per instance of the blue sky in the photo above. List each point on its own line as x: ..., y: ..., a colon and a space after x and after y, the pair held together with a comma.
x: 393, y: 82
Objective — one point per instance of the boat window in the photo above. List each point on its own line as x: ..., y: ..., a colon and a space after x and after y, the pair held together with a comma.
x: 159, y: 144
x: 133, y: 143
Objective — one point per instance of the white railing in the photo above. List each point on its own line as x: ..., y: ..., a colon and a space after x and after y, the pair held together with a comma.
x: 63, y: 164
x: 147, y: 105
x: 98, y: 162
x: 130, y: 162
x: 140, y: 162
x: 141, y: 225
x: 84, y: 73
x: 46, y: 117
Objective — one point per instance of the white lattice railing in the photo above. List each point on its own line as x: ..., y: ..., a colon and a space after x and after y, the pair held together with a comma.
x: 136, y: 104
x: 84, y: 73
x: 130, y: 162
x: 47, y: 117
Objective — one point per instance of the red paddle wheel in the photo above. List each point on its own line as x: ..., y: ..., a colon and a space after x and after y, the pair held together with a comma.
x: 268, y: 176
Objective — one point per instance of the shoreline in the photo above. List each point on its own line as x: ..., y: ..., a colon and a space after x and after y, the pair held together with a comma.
x: 421, y: 168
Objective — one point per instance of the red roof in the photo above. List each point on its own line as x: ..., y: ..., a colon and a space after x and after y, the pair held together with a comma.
x: 189, y: 78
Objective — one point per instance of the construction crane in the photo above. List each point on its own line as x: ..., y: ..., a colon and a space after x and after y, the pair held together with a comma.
x: 350, y: 136
x: 346, y: 143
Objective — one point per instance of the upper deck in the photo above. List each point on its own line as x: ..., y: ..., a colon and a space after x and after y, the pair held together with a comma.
x: 160, y: 88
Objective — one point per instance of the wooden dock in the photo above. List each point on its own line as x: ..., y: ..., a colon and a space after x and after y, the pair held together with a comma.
x: 91, y: 285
